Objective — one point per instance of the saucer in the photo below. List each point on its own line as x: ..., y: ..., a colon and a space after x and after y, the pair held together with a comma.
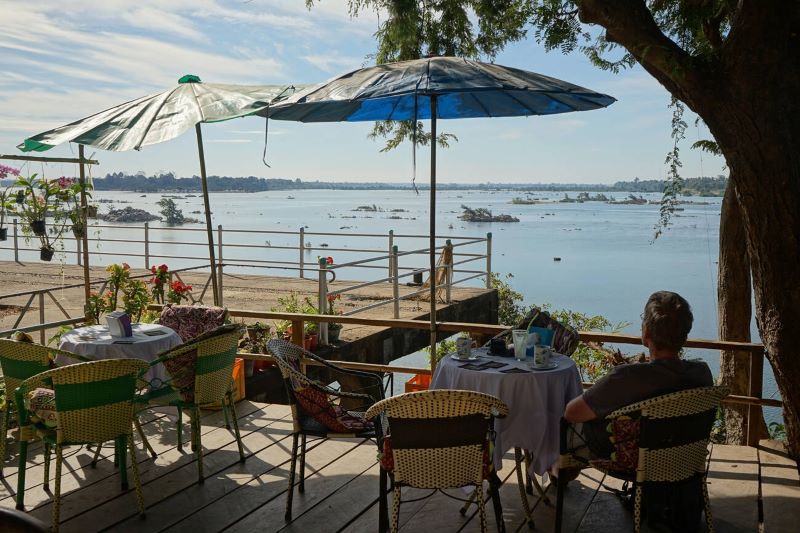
x: 551, y: 366
x: 470, y: 358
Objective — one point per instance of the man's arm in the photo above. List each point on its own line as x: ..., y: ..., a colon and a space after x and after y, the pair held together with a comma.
x: 579, y: 411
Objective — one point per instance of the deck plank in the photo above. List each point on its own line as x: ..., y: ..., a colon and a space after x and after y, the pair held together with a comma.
x: 331, y: 465
x: 780, y: 487
x: 733, y: 488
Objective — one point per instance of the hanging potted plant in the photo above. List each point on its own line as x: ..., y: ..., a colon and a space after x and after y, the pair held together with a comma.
x: 7, y: 199
x: 70, y: 194
x: 38, y: 198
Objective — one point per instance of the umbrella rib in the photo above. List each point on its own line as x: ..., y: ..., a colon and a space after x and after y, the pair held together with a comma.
x: 153, y: 119
x: 480, y: 104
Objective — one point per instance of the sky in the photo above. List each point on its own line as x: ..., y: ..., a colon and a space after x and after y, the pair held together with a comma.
x: 61, y: 61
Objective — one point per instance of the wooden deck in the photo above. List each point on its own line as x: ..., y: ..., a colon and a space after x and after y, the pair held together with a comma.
x: 751, y: 489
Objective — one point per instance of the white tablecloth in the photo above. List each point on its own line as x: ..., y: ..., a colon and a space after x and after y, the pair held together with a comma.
x: 535, y: 400
x: 144, y: 347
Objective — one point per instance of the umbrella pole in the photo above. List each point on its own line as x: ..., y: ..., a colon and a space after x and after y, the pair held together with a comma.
x: 84, y: 216
x: 432, y: 244
x: 211, y: 259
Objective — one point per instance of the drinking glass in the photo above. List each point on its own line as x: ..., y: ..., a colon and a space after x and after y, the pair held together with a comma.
x: 519, y: 336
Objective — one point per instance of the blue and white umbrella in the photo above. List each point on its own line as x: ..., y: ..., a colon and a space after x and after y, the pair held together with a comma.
x: 435, y: 88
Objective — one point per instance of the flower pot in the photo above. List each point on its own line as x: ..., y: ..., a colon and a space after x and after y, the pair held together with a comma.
x: 91, y: 211
x: 333, y: 334
x: 46, y: 254
x: 79, y: 231
x: 252, y: 334
x: 3, y: 234
x: 38, y: 227
x: 310, y: 342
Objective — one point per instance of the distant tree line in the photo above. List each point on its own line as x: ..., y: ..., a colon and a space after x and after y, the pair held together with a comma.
x: 167, y: 182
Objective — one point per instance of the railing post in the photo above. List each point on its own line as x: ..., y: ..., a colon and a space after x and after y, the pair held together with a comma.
x: 322, y: 327
x: 755, y: 390
x: 391, y: 247
x: 146, y: 245
x: 302, y: 251
x: 489, y: 260
x: 78, y: 249
x: 219, y: 264
x: 395, y: 281
x: 448, y: 271
x: 16, y: 242
x: 41, y: 317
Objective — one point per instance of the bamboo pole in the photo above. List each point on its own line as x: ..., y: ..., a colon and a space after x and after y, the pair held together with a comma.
x: 84, y: 216
x: 209, y: 230
x: 79, y: 160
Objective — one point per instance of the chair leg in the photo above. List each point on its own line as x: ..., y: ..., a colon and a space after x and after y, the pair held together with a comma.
x: 23, y: 461
x: 482, y: 508
x: 637, y: 509
x: 560, y: 485
x: 707, y: 505
x: 57, y: 496
x: 116, y: 452
x: 520, y: 464
x: 494, y: 491
x: 383, y: 507
x: 396, y: 509
x: 180, y: 429
x: 137, y: 482
x: 470, y: 501
x: 123, y: 461
x: 528, y: 479
x: 142, y: 436
x: 236, y: 428
x: 288, y: 515
x: 197, y: 445
x: 225, y: 414
x: 301, y: 488
x: 4, y: 435
x: 97, y: 454
x: 46, y: 466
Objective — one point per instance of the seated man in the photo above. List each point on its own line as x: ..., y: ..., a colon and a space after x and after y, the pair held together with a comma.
x: 666, y: 322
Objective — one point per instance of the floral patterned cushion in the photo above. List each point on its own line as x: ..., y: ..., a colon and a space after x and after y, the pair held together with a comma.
x: 190, y: 321
x: 41, y: 403
x: 624, y: 435
x: 318, y: 405
x: 386, y: 459
x: 181, y: 370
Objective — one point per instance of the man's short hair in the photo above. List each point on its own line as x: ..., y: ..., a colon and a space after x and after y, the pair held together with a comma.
x: 668, y: 318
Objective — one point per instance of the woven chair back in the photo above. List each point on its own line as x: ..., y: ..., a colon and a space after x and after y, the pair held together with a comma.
x: 94, y: 401
x: 191, y: 321
x: 440, y: 438
x: 674, y: 432
x: 216, y: 355
x: 20, y: 361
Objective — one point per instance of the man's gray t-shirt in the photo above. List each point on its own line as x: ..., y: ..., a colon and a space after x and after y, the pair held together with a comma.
x: 627, y: 384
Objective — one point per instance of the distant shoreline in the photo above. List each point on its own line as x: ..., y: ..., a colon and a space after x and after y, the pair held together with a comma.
x: 168, y: 183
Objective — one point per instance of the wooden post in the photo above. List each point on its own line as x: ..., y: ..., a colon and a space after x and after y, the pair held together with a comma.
x: 16, y: 242
x: 41, y: 317
x: 322, y: 301
x: 391, y: 247
x: 206, y: 202
x: 755, y: 390
x: 432, y: 243
x: 85, y: 221
x: 395, y: 281
x: 302, y: 250
x: 146, y: 245
x: 297, y: 332
x: 489, y: 260
x: 219, y: 264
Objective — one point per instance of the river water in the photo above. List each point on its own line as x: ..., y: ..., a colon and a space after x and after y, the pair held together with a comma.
x: 609, y: 263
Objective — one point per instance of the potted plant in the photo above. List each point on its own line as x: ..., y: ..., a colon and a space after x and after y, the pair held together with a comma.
x: 6, y: 205
x: 70, y: 194
x: 37, y: 198
x: 334, y: 328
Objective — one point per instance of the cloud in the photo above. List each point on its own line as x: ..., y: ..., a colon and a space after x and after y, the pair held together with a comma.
x: 333, y: 62
x: 231, y: 141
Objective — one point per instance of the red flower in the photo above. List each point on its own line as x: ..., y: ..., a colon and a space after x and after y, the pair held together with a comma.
x: 329, y: 260
x: 126, y: 266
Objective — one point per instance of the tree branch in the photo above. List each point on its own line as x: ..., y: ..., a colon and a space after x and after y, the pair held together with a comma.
x: 630, y: 24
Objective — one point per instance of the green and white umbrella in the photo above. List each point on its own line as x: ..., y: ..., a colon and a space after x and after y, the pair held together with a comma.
x: 160, y: 117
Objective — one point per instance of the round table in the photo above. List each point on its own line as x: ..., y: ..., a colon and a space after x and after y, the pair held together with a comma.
x: 536, y: 400
x: 96, y: 342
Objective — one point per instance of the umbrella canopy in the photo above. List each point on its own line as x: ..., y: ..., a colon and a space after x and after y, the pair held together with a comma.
x: 159, y: 117
x: 434, y: 88
x: 463, y: 89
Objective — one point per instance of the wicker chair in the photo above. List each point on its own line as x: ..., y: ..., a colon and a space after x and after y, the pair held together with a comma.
x: 190, y: 321
x: 673, y: 435
x: 18, y: 362
x: 200, y: 373
x: 318, y: 410
x: 440, y: 439
x: 93, y: 403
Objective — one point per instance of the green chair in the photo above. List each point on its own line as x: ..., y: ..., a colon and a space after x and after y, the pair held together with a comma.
x: 200, y: 373
x: 18, y: 362
x: 94, y: 402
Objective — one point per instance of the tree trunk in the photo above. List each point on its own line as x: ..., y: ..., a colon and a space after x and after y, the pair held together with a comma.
x: 733, y: 301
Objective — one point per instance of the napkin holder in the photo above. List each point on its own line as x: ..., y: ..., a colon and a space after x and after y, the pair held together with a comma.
x: 119, y: 324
